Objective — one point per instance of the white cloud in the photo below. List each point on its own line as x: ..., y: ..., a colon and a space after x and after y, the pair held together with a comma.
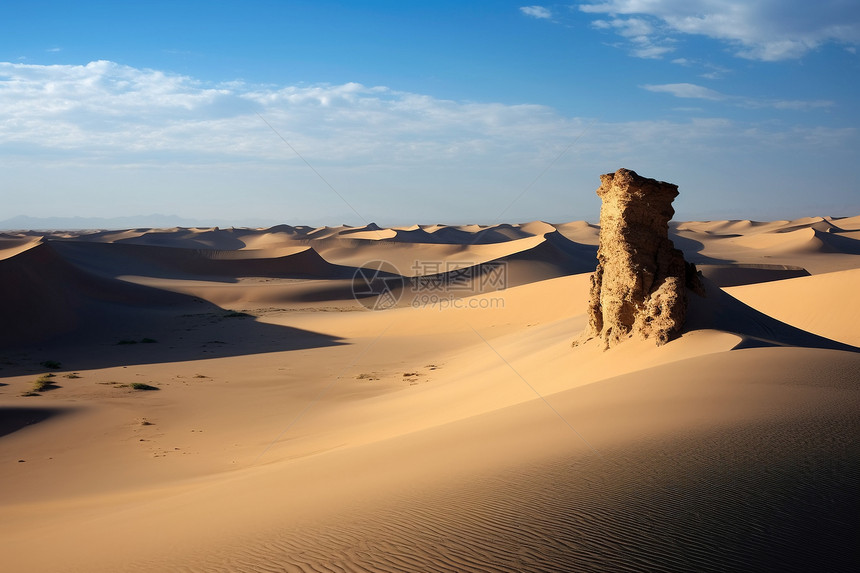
x: 766, y: 30
x: 162, y: 138
x: 536, y: 12
x: 105, y: 109
x: 109, y: 112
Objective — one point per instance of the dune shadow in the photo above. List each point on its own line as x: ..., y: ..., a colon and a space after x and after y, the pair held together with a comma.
x: 171, y: 262
x: 13, y: 418
x: 745, y: 274
x: 570, y: 257
x: 692, y: 250
x: 836, y: 243
x: 59, y: 309
x: 721, y: 311
x: 59, y: 312
x: 162, y: 337
x: 187, y: 238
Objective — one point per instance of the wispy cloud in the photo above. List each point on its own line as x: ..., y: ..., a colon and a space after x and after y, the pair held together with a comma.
x: 791, y: 104
x: 712, y: 71
x: 755, y: 29
x: 686, y: 91
x: 644, y: 39
x: 536, y: 12
x: 693, y: 91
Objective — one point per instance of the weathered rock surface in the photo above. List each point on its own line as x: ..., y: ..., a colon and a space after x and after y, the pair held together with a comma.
x: 640, y: 285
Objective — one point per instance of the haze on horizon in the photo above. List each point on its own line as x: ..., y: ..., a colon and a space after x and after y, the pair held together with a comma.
x: 449, y: 112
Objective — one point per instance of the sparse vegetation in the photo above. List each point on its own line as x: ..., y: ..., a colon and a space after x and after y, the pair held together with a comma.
x: 72, y: 375
x: 141, y: 386
x: 132, y: 385
x: 52, y: 364
x: 237, y: 314
x: 366, y: 376
x: 40, y: 384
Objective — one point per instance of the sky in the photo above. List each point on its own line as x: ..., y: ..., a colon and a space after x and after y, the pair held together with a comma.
x: 322, y: 112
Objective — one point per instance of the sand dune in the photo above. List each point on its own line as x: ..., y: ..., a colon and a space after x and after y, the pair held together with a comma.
x: 800, y: 243
x: 11, y: 246
x: 294, y: 430
x: 580, y: 231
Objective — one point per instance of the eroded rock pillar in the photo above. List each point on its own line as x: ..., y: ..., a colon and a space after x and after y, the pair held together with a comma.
x: 640, y: 285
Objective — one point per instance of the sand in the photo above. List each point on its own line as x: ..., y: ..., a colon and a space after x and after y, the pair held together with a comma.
x: 458, y: 430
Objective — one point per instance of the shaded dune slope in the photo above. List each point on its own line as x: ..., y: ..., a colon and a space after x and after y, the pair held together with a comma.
x: 744, y: 274
x: 48, y: 298
x: 170, y: 262
x: 721, y: 311
x: 44, y: 295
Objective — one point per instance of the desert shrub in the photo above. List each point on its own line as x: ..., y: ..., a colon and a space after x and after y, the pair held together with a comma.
x: 52, y: 364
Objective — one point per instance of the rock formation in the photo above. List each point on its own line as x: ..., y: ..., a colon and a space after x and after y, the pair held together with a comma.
x: 640, y: 285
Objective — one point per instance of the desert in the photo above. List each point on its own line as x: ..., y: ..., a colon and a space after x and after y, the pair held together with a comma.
x: 220, y: 399
x: 419, y: 287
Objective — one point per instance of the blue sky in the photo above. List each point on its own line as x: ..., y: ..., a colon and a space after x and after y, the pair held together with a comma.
x: 411, y: 112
